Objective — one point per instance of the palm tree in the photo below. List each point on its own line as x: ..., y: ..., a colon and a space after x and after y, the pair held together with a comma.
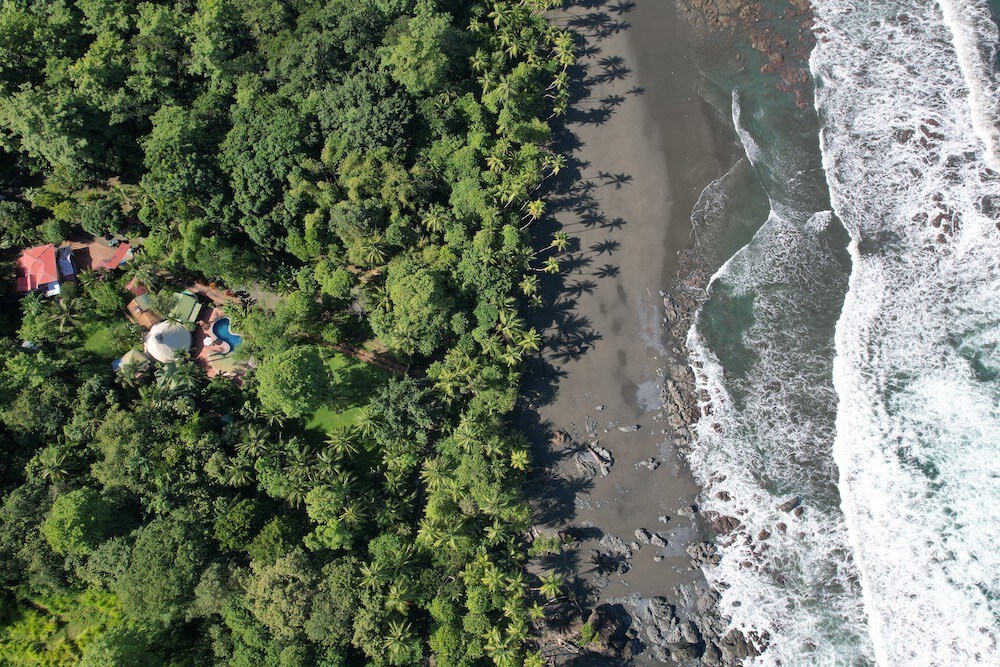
x: 519, y: 459
x: 53, y: 465
x: 560, y: 241
x: 397, y: 599
x: 536, y: 611
x: 32, y: 304
x: 555, y: 163
x: 534, y: 659
x: 373, y: 574
x: 466, y: 434
x: 353, y: 515
x: 530, y: 340
x: 64, y: 316
x: 536, y: 209
x: 434, y: 218
x: 298, y: 489
x: 479, y: 61
x: 380, y: 300
x: 343, y: 441
x: 551, y: 585
x: 511, y: 356
x: 237, y: 472
x: 397, y: 641
x: 495, y: 163
x: 273, y: 416
x: 132, y: 373
x: 143, y: 273
x: 501, y: 650
x: 435, y: 473
x: 511, y: 326
x: 87, y: 278
x: 367, y: 422
x: 374, y: 250
x: 529, y: 284
x: 181, y: 375
x: 492, y: 578
x: 551, y: 265
x: 255, y: 441
x: 515, y: 588
x: 491, y: 346
x: 18, y: 233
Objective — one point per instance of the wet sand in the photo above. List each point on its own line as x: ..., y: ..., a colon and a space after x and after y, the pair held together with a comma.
x: 643, y: 145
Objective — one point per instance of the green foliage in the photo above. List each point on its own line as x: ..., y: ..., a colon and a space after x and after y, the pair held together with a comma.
x: 79, y: 521
x: 158, y: 585
x: 421, y: 303
x: 419, y: 55
x: 293, y: 381
x: 101, y: 215
x: 361, y: 173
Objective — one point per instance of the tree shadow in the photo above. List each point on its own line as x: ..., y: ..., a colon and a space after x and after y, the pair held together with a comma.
x: 575, y: 196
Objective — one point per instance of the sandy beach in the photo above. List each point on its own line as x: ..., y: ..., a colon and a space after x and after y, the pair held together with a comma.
x: 643, y: 145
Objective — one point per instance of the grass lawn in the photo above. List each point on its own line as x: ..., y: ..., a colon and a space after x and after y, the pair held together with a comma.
x: 100, y: 340
x: 354, y: 382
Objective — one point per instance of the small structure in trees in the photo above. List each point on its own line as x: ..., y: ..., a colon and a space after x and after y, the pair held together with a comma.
x: 165, y: 339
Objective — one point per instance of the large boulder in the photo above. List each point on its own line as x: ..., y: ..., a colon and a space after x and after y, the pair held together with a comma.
x: 611, y: 624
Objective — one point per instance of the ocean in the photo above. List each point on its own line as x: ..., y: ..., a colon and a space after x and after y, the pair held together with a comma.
x: 848, y: 353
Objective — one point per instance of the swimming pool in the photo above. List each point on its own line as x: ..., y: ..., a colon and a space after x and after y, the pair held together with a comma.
x: 223, y: 332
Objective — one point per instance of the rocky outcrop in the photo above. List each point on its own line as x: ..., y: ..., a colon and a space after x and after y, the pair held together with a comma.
x: 610, y: 624
x: 703, y: 554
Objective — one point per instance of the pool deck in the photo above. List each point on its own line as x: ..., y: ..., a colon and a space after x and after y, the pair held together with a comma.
x: 216, y: 358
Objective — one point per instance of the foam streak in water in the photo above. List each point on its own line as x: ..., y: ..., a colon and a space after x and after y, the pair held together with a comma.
x: 762, y: 350
x: 907, y: 96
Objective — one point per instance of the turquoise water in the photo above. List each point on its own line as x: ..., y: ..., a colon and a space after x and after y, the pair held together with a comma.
x: 222, y: 331
x: 849, y: 347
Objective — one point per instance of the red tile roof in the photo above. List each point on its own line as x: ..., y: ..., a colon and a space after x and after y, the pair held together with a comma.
x: 136, y: 287
x: 100, y: 259
x: 37, y: 267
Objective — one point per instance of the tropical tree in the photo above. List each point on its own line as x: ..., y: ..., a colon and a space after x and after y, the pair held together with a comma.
x: 63, y: 314
x: 551, y: 585
x: 519, y: 459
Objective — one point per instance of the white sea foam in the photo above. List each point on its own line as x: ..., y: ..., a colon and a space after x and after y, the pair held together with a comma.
x: 762, y: 351
x: 907, y: 95
x: 767, y: 431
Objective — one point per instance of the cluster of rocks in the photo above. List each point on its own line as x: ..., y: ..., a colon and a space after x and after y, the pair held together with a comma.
x: 594, y: 460
x: 671, y: 635
x: 703, y: 554
x: 648, y: 537
x: 650, y: 464
x: 786, y: 52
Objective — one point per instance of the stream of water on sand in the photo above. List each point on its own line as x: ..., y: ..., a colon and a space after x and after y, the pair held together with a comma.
x: 850, y: 347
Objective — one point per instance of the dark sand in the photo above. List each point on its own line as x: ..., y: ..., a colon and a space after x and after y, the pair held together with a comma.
x: 644, y: 145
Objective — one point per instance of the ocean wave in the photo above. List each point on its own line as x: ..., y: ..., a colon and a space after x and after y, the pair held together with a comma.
x: 907, y: 97
x: 765, y: 436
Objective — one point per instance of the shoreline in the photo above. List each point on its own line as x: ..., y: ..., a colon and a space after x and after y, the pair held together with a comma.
x: 614, y: 390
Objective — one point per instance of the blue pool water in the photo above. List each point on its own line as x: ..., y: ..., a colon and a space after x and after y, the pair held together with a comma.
x: 222, y: 332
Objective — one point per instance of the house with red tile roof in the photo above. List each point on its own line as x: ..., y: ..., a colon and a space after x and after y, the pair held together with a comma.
x: 37, y: 270
x: 109, y: 258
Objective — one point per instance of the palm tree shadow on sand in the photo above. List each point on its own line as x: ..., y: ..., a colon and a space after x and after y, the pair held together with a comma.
x: 574, y: 197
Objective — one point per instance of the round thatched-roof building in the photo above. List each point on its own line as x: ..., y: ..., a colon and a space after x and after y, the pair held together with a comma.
x: 164, y: 339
